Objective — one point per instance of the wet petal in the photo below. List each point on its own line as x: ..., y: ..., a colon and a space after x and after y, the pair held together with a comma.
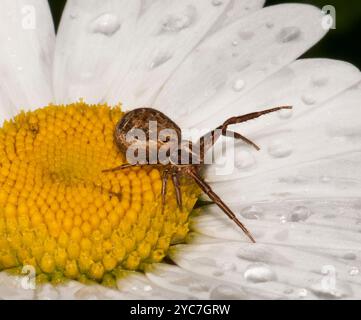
x: 12, y: 288
x: 273, y: 271
x: 27, y: 39
x: 137, y: 284
x: 234, y: 60
x: 148, y: 40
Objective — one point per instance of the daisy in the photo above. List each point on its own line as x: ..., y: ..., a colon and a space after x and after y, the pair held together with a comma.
x: 89, y: 235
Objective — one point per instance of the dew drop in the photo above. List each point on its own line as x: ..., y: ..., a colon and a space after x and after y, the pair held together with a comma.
x: 245, y: 160
x: 252, y: 213
x: 147, y: 288
x: 279, y: 149
x: 226, y: 292
x: 217, y: 3
x: 199, y: 287
x: 299, y: 213
x: 227, y: 267
x: 349, y: 256
x: 319, y: 81
x: 243, y: 65
x: 285, y: 113
x: 283, y: 219
x: 354, y: 271
x: 246, y: 35
x: 238, y: 85
x: 235, y: 43
x: 160, y: 60
x: 308, y: 100
x: 176, y: 23
x: 289, y: 34
x: 325, y: 179
x: 302, y: 293
x: 218, y: 273
x: 328, y: 291
x: 288, y: 291
x: 106, y: 24
x: 259, y: 272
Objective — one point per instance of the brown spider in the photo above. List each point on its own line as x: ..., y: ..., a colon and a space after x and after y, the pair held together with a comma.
x: 142, y: 117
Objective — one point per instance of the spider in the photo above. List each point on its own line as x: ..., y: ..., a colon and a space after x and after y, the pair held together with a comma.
x: 139, y: 119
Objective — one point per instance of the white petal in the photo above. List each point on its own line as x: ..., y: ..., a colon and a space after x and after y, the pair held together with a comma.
x: 92, y: 37
x: 316, y: 155
x: 127, y: 47
x: 11, y: 288
x: 304, y: 84
x: 136, y: 284
x: 193, y: 285
x: 27, y: 39
x: 273, y: 271
x: 237, y: 58
x: 315, y: 224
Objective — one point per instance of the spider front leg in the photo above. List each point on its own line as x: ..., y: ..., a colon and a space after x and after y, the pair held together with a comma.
x: 218, y: 201
x: 173, y: 172
x: 207, y: 141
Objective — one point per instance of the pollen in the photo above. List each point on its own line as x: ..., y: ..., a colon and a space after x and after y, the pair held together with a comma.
x: 65, y: 217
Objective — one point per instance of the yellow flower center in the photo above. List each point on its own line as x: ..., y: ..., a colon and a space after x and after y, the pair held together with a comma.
x: 62, y: 215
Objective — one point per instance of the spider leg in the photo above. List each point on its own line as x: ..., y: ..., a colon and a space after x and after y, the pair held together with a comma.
x: 218, y: 201
x: 123, y: 166
x: 176, y: 183
x: 208, y: 140
x: 249, y: 116
x: 238, y: 136
x: 164, y: 186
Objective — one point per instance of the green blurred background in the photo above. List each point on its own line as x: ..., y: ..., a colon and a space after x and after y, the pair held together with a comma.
x: 343, y: 43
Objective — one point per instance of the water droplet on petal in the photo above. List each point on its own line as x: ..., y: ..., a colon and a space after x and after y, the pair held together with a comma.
x: 73, y: 15
x: 325, y: 179
x: 217, y: 2
x: 329, y: 291
x: 107, y: 24
x: 199, y: 287
x: 226, y: 292
x: 354, y: 271
x: 244, y: 160
x: 259, y: 272
x: 235, y: 43
x: 160, y: 60
x: 243, y: 65
x: 302, y: 293
x: 349, y: 256
x: 299, y: 213
x: 147, y: 288
x: 239, y: 85
x: 279, y: 149
x: 285, y: 113
x: 176, y: 23
x: 319, y: 81
x: 288, y: 291
x: 246, y: 35
x: 19, y: 68
x: 283, y: 219
x: 227, y: 267
x: 289, y: 34
x: 308, y: 100
x: 252, y: 213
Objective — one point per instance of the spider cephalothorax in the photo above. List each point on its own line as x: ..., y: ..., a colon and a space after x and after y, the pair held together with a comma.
x: 138, y: 122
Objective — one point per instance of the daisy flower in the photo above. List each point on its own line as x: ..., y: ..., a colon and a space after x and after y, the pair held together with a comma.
x: 80, y: 233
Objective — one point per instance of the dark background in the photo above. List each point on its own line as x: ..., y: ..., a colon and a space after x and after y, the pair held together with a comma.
x: 343, y: 43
